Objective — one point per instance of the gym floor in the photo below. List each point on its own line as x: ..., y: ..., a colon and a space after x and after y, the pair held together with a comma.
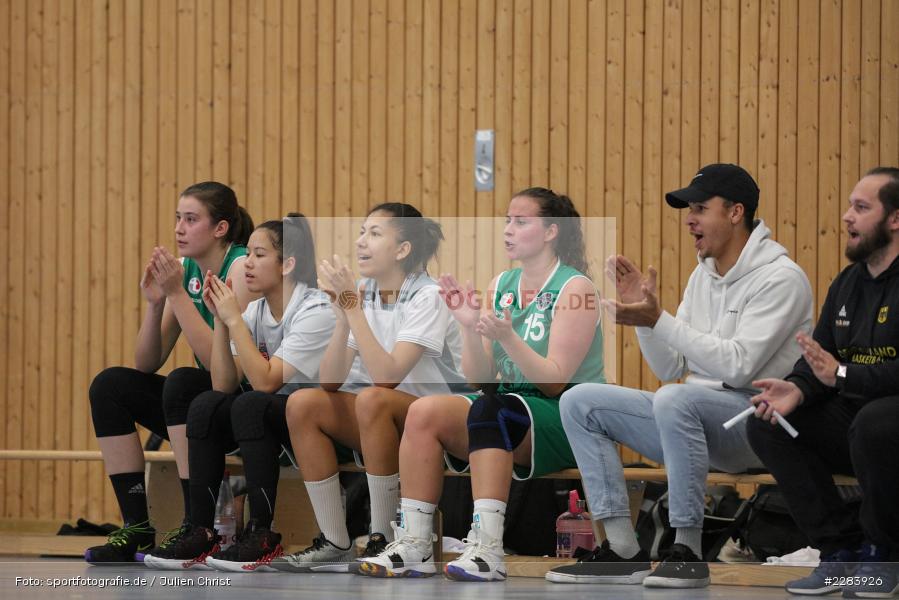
x: 177, y: 585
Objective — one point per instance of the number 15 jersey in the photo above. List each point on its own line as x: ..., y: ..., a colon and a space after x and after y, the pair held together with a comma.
x: 532, y: 318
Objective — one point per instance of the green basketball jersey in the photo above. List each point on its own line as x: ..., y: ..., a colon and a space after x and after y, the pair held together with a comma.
x: 193, y: 281
x: 532, y: 319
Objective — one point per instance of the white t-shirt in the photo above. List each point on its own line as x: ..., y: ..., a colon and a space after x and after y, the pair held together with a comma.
x: 299, y: 338
x: 419, y: 315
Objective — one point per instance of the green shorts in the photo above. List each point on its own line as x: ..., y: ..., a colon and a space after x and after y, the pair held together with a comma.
x: 550, y: 451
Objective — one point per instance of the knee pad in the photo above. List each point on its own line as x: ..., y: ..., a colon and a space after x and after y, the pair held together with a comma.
x: 497, y: 421
x: 248, y: 415
x: 106, y: 411
x: 182, y: 385
x: 206, y: 413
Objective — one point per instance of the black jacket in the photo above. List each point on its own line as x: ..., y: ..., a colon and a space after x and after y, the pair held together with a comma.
x: 859, y: 325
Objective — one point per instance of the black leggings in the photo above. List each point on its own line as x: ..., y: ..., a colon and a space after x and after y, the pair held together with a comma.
x: 217, y: 423
x: 837, y: 436
x: 121, y: 397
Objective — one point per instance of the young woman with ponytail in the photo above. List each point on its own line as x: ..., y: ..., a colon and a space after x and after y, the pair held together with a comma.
x: 539, y: 330
x: 211, y: 232
x: 276, y: 345
x: 395, y: 341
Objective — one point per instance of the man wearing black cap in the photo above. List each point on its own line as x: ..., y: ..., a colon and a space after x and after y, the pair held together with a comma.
x: 737, y: 322
x: 843, y: 397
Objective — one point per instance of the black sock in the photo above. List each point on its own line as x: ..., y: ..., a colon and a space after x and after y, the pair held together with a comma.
x: 185, y: 492
x: 207, y: 464
x: 202, y: 504
x: 131, y: 493
x: 260, y: 459
x: 262, y: 505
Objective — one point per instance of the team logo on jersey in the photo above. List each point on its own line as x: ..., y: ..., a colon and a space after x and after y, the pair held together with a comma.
x: 263, y: 350
x: 842, y: 312
x: 882, y: 315
x: 194, y: 286
x: 507, y: 300
x: 544, y: 300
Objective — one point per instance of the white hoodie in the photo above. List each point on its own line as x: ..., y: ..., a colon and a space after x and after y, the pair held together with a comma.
x: 735, y: 328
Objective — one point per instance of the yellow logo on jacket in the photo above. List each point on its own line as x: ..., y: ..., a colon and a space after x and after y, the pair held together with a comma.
x: 882, y: 315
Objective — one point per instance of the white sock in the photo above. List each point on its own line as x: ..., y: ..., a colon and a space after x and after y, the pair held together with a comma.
x: 329, y: 512
x: 490, y: 517
x: 417, y: 518
x: 621, y: 536
x: 384, y: 491
x: 691, y: 537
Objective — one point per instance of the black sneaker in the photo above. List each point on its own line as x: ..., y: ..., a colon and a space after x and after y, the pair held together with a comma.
x: 122, y: 545
x: 680, y: 569
x: 603, y: 566
x: 376, y: 544
x: 184, y: 548
x: 253, y: 551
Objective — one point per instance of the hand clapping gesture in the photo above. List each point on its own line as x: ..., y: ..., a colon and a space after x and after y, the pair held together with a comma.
x: 639, y: 305
x: 168, y: 272
x: 151, y: 290
x: 462, y: 302
x: 220, y: 295
x: 822, y: 362
x: 494, y: 328
x: 337, y: 280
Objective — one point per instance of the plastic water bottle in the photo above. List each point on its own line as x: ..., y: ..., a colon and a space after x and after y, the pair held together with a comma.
x: 225, y: 519
x: 574, y: 528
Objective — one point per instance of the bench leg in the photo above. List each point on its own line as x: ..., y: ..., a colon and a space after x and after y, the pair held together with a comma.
x: 635, y: 491
x: 164, y: 495
x: 438, y: 543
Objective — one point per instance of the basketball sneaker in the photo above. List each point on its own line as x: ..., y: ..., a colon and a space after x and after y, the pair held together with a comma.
x: 254, y: 550
x: 123, y: 545
x: 482, y: 559
x: 406, y: 556
x: 321, y: 557
x: 185, y: 548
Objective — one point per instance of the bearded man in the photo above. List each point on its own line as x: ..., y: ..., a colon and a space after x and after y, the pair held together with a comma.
x: 843, y: 398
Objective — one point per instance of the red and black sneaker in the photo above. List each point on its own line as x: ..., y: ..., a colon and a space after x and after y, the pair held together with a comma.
x: 253, y: 551
x: 184, y: 548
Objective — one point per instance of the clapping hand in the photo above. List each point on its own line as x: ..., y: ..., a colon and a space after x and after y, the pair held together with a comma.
x: 494, y: 328
x: 462, y: 302
x: 822, y: 362
x: 639, y: 305
x: 224, y: 299
x: 168, y: 272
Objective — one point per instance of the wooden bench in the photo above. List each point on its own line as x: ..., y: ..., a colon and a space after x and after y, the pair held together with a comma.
x: 296, y: 521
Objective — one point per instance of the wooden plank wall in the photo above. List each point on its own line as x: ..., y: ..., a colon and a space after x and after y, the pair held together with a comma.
x: 109, y: 108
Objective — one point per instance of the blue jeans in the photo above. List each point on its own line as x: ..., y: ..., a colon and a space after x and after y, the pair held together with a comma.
x: 680, y: 426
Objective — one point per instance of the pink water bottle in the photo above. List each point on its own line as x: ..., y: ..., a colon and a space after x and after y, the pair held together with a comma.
x: 574, y: 528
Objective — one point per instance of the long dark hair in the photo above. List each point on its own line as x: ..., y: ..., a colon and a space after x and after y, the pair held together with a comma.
x: 559, y: 209
x: 292, y: 237
x: 221, y: 202
x: 423, y: 234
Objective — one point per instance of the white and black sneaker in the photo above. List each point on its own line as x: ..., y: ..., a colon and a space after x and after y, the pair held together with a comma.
x: 603, y: 565
x: 406, y: 556
x: 680, y: 569
x: 482, y: 559
x: 321, y: 557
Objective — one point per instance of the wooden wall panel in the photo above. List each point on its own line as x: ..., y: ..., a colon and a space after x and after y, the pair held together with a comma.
x: 107, y: 110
